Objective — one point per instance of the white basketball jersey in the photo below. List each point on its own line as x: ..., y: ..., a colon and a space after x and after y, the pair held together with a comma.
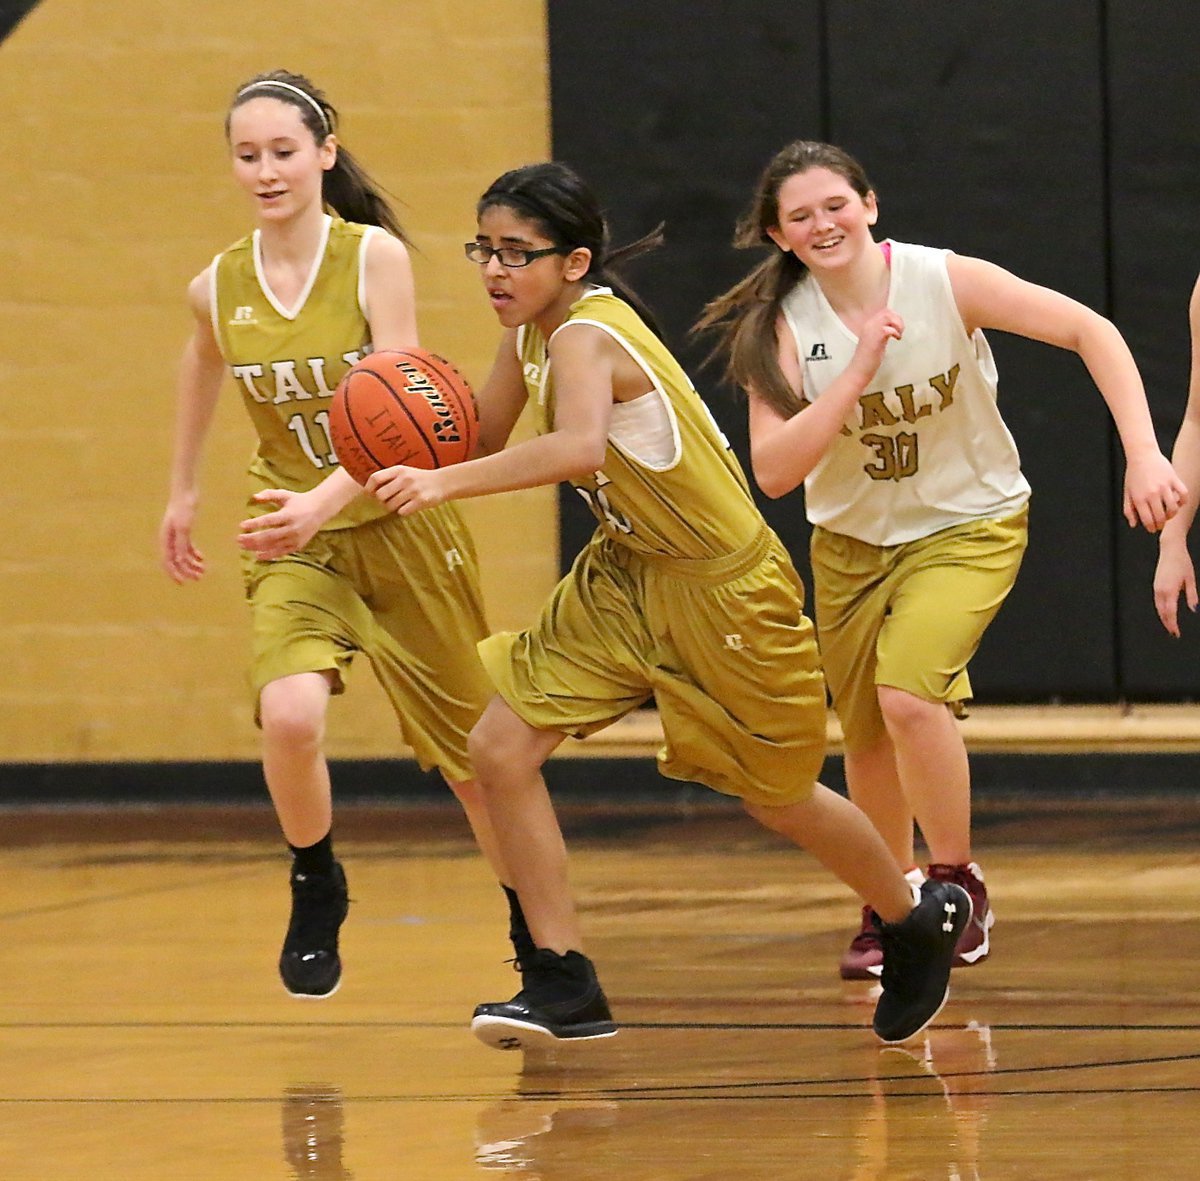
x: 926, y: 447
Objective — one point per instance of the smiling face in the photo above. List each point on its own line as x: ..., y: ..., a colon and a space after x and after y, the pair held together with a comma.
x: 822, y: 219
x: 276, y: 159
x: 541, y: 292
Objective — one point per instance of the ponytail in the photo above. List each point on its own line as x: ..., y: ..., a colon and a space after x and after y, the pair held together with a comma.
x: 743, y: 320
x: 607, y: 273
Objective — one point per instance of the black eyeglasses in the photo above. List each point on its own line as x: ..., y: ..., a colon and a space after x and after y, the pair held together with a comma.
x: 509, y: 256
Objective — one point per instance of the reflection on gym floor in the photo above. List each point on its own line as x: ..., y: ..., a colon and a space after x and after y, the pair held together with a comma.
x: 146, y: 1034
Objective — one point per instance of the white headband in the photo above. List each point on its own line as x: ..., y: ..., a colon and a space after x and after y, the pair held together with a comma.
x: 308, y: 98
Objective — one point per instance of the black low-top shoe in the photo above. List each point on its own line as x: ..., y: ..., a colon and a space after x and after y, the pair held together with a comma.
x: 917, y: 956
x: 561, y: 1000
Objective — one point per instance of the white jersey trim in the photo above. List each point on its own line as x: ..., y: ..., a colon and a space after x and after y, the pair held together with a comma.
x: 368, y: 234
x: 213, y: 314
x: 614, y: 435
x: 313, y: 271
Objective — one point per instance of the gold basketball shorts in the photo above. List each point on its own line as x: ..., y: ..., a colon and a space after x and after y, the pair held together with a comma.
x: 404, y: 592
x: 909, y: 616
x: 722, y: 645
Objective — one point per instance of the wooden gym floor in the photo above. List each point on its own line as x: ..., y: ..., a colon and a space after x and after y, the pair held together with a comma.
x: 145, y: 1034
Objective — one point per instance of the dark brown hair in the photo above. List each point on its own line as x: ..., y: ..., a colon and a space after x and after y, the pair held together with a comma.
x: 346, y: 188
x: 556, y: 199
x: 743, y: 318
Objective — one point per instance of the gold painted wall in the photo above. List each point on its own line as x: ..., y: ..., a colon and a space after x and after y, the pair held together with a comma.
x: 117, y: 191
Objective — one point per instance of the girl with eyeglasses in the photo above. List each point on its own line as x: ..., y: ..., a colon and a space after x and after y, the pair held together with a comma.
x: 323, y: 279
x: 683, y: 594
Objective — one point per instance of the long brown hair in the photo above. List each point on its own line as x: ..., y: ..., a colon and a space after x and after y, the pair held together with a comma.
x: 743, y: 318
x: 346, y: 188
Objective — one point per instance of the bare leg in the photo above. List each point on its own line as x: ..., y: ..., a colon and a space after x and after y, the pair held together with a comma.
x: 841, y: 837
x: 874, y: 785
x: 474, y: 804
x: 931, y: 758
x: 293, y: 711
x: 508, y: 755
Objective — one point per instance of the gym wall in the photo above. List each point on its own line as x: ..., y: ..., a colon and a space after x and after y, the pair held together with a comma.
x: 118, y: 192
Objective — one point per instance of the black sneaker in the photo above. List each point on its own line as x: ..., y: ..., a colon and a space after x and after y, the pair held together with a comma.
x: 917, y: 954
x: 309, y: 962
x: 560, y: 1000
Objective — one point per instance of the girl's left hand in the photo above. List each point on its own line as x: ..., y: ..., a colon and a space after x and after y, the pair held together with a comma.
x: 288, y: 529
x: 407, y: 490
x: 1153, y: 492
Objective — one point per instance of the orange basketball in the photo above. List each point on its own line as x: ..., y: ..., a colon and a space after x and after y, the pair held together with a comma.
x: 402, y: 406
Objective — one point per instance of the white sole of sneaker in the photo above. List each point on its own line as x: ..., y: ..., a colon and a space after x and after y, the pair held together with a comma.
x: 504, y: 1033
x: 916, y: 1032
x: 313, y: 996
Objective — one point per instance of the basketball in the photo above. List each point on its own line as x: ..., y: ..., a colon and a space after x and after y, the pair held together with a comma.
x: 402, y: 406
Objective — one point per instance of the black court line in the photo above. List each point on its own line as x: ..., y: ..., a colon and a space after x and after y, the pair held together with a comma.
x: 682, y: 1026
x: 750, y: 1090
x: 573, y: 1098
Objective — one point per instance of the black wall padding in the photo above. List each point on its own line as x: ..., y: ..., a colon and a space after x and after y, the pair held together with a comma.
x: 671, y: 110
x: 1056, y: 140
x: 982, y: 126
x: 1155, y: 176
x: 12, y: 12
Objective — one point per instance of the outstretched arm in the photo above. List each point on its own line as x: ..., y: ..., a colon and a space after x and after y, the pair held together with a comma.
x: 1175, y: 574
x: 990, y: 297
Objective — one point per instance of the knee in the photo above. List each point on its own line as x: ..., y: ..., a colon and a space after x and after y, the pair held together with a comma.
x: 498, y: 750
x: 292, y: 720
x: 489, y: 749
x: 905, y: 713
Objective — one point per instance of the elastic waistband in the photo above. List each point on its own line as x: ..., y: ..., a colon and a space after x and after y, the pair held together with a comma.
x: 711, y: 571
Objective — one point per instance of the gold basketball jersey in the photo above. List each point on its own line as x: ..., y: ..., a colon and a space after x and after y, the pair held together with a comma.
x: 287, y: 362
x: 694, y: 503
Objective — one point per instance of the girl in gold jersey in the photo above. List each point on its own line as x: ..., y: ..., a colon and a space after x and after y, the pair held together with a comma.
x: 328, y: 572
x: 683, y: 595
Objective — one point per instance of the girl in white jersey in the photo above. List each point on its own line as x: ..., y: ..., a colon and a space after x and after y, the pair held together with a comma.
x: 1175, y: 574
x: 328, y: 572
x: 870, y: 382
x: 683, y: 594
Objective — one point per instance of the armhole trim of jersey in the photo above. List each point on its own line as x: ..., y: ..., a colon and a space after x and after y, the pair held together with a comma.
x: 213, y: 314
x: 657, y: 388
x: 368, y: 234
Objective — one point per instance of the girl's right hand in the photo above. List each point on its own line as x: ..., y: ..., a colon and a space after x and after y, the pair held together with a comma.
x: 873, y: 337
x: 177, y: 555
x: 1174, y: 576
